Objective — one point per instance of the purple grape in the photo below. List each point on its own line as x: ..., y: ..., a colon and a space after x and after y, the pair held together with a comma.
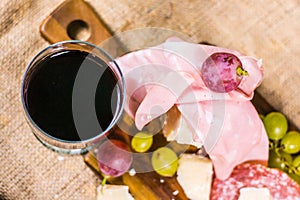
x: 222, y: 72
x: 114, y: 158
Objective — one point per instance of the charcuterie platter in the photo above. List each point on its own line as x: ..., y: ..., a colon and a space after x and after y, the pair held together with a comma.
x: 254, y: 174
x: 180, y: 159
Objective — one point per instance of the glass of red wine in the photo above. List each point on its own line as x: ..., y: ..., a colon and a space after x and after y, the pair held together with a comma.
x: 73, y: 95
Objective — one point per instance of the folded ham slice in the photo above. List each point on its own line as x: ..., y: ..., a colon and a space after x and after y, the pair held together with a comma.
x: 226, y: 123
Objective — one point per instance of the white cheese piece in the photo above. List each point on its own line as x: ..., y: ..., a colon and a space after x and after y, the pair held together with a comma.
x: 176, y: 128
x: 250, y: 193
x: 184, y: 135
x: 113, y: 192
x: 195, y: 176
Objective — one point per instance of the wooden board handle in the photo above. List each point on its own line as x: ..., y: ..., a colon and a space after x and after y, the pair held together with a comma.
x: 74, y: 19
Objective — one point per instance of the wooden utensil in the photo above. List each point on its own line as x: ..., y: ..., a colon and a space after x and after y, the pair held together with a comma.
x: 74, y: 19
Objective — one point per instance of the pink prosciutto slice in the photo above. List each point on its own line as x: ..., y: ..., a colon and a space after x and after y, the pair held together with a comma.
x: 226, y: 123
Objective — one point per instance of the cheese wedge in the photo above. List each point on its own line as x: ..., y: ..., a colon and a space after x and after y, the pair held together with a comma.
x: 113, y: 192
x: 250, y: 193
x: 195, y: 176
x: 176, y: 128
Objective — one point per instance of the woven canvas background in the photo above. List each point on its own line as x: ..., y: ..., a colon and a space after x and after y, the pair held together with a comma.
x: 268, y: 29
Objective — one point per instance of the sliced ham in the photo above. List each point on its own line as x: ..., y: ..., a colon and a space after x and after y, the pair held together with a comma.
x: 226, y: 123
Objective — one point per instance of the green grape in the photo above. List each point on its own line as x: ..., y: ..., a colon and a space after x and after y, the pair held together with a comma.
x: 279, y: 160
x: 291, y: 142
x: 165, y: 161
x: 296, y: 163
x: 142, y: 142
x: 276, y: 125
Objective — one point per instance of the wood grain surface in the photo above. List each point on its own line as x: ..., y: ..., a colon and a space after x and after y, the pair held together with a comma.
x: 74, y: 19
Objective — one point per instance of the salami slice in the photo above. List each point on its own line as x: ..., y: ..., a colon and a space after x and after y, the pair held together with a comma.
x: 280, y: 185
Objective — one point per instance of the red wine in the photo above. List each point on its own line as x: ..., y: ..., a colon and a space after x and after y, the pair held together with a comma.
x: 50, y: 97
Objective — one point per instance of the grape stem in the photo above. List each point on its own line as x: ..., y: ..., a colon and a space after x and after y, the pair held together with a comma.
x: 277, y: 148
x: 275, y: 144
x: 295, y: 170
x: 241, y: 72
x: 105, y: 177
x: 271, y: 145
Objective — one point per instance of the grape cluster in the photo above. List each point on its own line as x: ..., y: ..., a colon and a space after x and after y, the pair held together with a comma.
x: 284, y: 151
x: 164, y: 160
x: 115, y: 157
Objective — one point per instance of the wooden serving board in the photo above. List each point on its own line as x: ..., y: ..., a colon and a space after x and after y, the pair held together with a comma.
x: 61, y: 25
x: 74, y: 19
x: 150, y: 185
x: 143, y: 186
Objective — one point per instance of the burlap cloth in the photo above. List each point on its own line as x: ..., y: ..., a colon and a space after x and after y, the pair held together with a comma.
x: 267, y: 29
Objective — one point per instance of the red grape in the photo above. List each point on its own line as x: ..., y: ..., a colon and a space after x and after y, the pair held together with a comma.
x: 222, y: 72
x: 114, y: 158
